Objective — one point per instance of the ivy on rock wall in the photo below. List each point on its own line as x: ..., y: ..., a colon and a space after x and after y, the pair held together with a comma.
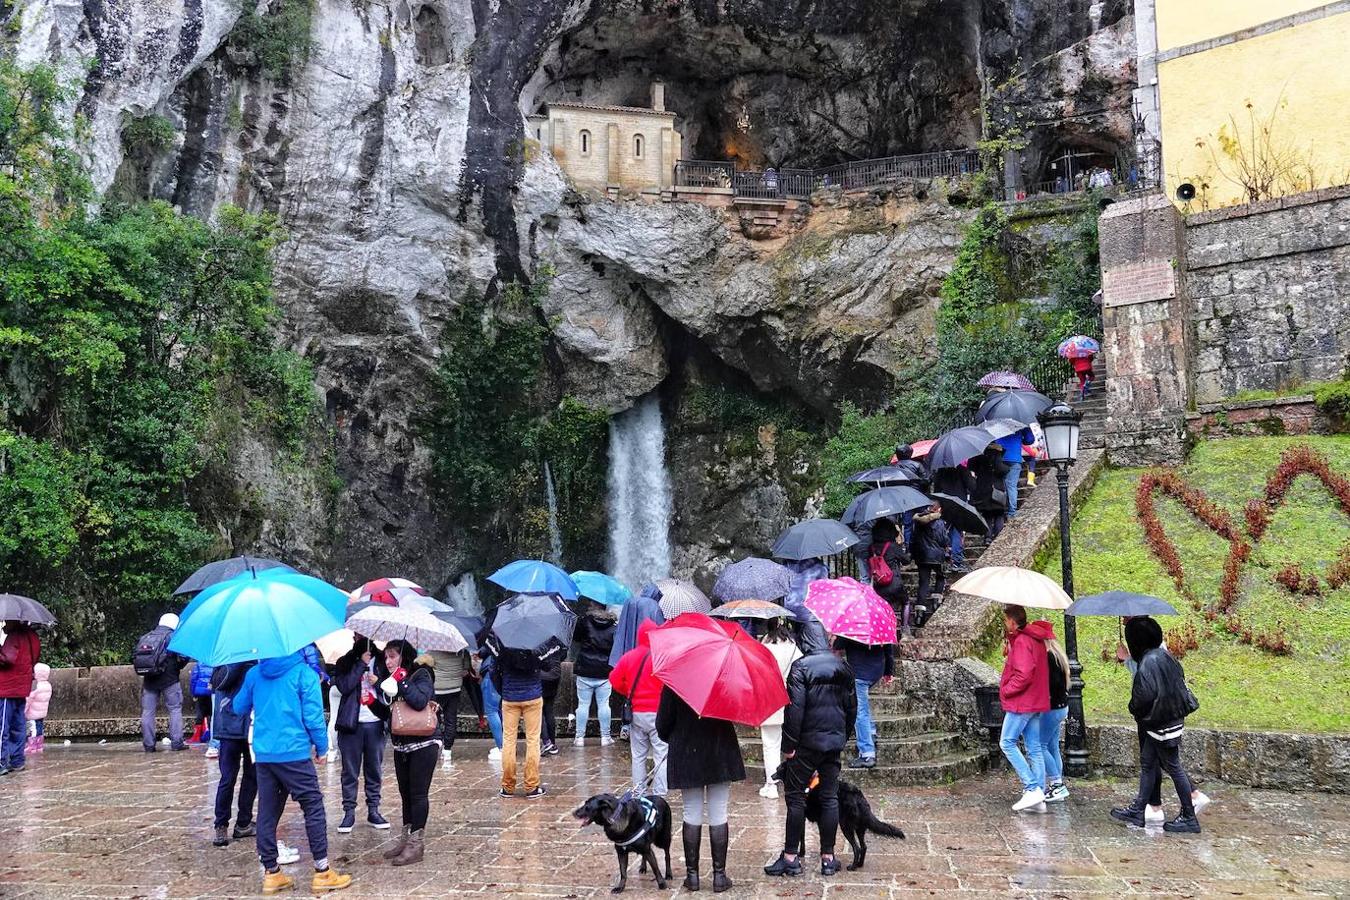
x: 124, y: 332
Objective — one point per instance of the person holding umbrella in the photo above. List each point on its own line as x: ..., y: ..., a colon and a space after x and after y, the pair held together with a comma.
x: 990, y: 495
x: 1012, y: 445
x: 1024, y: 692
x: 409, y: 690
x: 18, y: 655
x: 633, y: 678
x: 360, y: 735
x: 821, y: 711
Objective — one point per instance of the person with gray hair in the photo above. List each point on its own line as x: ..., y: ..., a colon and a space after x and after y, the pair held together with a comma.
x: 160, y: 667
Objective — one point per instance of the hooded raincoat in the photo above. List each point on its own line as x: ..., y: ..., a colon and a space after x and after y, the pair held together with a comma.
x: 644, y: 607
x: 286, y: 700
x: 1025, y: 685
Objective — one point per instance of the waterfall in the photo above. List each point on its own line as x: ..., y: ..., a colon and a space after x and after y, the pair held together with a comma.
x: 554, y: 532
x: 639, y: 495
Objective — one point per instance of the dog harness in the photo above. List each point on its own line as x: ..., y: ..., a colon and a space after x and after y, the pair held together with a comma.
x: 649, y: 817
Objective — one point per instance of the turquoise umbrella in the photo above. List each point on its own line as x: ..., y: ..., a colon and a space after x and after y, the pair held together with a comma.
x: 258, y: 616
x: 534, y: 576
x: 601, y: 588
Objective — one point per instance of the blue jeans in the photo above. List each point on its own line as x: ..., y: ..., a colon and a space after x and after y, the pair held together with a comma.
x: 867, y: 745
x: 1054, y: 763
x: 1030, y: 769
x: 13, y: 732
x: 492, y: 709
x: 599, y: 689
x: 958, y: 544
x: 1010, y: 485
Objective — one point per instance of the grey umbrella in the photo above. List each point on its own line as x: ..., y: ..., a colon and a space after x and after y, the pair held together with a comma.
x: 961, y: 515
x: 814, y: 538
x: 534, y: 623
x: 14, y: 608
x: 886, y: 501
x: 753, y: 579
x: 1120, y: 603
x: 999, y: 428
x: 1021, y: 406
x: 886, y: 475
x: 957, y: 446
x: 224, y: 570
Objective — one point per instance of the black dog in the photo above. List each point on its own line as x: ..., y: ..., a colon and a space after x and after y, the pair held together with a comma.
x: 855, y: 820
x: 635, y: 825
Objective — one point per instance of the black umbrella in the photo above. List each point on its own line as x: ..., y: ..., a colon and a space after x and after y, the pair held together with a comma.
x: 957, y: 446
x: 1120, y: 603
x: 469, y: 626
x: 882, y: 502
x: 885, y: 475
x: 532, y: 626
x: 813, y: 538
x: 1020, y: 406
x: 224, y: 570
x: 14, y: 608
x: 999, y: 428
x: 961, y: 515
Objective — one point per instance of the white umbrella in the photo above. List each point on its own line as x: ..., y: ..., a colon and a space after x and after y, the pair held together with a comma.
x: 333, y: 647
x: 679, y: 597
x: 1013, y: 586
x: 401, y: 623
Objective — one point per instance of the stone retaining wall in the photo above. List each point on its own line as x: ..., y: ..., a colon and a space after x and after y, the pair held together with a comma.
x: 1255, y: 418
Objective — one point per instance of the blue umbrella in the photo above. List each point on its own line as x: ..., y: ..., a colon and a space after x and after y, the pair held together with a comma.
x: 753, y: 579
x: 258, y: 616
x: 534, y: 576
x: 601, y: 588
x: 1120, y: 603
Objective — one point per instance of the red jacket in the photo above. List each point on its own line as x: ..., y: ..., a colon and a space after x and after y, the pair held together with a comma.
x: 636, y: 665
x: 18, y: 655
x: 1082, y: 364
x: 1025, y: 685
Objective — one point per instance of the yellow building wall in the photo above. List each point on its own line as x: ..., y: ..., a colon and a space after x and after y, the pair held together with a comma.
x: 1301, y: 74
x: 1182, y: 22
x: 593, y: 169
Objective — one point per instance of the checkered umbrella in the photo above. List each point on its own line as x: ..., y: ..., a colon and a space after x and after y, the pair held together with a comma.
x: 679, y: 597
x: 1006, y: 380
x: 418, y: 627
x: 753, y: 579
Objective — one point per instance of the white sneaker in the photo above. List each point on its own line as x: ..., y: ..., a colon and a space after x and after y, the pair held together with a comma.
x: 1058, y: 793
x: 495, y: 754
x: 212, y: 752
x: 1030, y: 797
x: 286, y: 854
x: 769, y: 790
x: 578, y: 742
x: 1200, y: 800
x: 1153, y: 814
x: 332, y: 756
x: 606, y: 741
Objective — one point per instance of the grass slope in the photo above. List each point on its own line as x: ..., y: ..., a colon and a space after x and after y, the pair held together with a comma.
x: 1238, y: 686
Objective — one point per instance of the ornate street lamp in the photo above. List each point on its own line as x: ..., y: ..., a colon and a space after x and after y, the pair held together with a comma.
x: 1061, y: 426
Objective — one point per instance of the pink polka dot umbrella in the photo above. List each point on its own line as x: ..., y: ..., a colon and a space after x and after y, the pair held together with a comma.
x: 853, y: 610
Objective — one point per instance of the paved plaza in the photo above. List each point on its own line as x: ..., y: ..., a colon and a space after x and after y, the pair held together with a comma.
x: 112, y: 821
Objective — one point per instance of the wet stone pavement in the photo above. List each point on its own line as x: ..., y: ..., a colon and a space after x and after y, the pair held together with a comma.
x: 112, y: 821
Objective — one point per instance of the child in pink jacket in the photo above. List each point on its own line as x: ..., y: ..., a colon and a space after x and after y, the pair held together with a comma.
x: 35, y: 710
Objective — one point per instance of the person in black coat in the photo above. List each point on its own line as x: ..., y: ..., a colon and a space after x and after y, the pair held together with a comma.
x: 594, y: 639
x: 989, y: 494
x: 820, y: 715
x: 704, y: 758
x: 360, y: 735
x: 236, y: 759
x: 958, y: 482
x: 414, y: 682
x: 1160, y: 701
x: 886, y: 544
x: 550, y: 676
x: 930, y: 547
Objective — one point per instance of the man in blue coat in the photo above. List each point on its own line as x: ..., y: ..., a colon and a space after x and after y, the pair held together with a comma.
x: 1012, y: 455
x: 289, y: 731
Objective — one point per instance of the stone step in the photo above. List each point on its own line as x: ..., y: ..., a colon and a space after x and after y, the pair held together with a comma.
x: 890, y: 726
x: 920, y: 748
x: 942, y: 770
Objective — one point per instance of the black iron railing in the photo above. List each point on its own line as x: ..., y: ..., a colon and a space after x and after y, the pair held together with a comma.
x: 1135, y: 169
x: 799, y: 184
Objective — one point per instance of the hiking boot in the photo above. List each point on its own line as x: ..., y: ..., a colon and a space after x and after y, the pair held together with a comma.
x: 412, y: 851
x: 245, y: 830
x: 1130, y: 815
x: 782, y: 867
x: 348, y: 822
x: 829, y: 866
x: 397, y: 849
x: 863, y: 762
x: 719, y: 836
x: 276, y: 882
x: 328, y: 880
x: 222, y: 838
x: 1182, y: 824
x: 376, y: 821
x: 693, y: 837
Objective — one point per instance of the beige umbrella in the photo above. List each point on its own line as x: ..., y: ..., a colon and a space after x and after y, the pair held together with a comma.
x: 1013, y: 586
x: 333, y: 647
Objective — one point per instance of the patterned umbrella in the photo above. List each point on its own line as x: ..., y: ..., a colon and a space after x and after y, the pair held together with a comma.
x: 853, y: 610
x: 753, y: 579
x: 389, y: 591
x: 678, y: 597
x: 418, y: 627
x: 750, y: 609
x: 1078, y: 346
x: 1006, y: 379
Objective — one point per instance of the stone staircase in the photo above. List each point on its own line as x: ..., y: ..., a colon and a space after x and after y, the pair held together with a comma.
x: 1094, y: 409
x: 912, y: 747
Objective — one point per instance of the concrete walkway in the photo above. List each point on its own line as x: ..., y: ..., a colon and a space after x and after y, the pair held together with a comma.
x: 112, y: 821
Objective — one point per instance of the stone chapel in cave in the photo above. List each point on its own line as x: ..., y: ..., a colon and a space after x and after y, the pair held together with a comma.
x: 611, y: 148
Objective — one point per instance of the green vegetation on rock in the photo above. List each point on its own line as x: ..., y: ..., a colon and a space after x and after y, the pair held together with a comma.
x: 1239, y: 686
x: 279, y: 39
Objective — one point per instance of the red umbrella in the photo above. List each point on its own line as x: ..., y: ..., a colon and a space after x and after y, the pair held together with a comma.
x: 921, y: 448
x: 718, y: 669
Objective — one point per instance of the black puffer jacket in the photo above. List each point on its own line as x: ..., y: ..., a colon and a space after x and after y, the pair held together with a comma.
x: 1159, y: 698
x: 702, y: 751
x: 822, y: 698
x: 954, y: 481
x: 989, y: 469
x: 594, y: 638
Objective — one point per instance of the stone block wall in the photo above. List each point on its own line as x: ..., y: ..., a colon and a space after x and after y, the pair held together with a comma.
x: 1253, y: 418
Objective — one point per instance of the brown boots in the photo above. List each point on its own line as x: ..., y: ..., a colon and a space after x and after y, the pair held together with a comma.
x: 412, y: 851
x: 397, y: 849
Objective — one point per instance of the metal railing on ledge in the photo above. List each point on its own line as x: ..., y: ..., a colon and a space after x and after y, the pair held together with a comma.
x: 799, y: 184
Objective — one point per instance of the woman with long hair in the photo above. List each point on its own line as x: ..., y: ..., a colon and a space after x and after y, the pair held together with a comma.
x: 411, y: 680
x: 1058, y: 677
x: 785, y: 652
x: 1024, y: 692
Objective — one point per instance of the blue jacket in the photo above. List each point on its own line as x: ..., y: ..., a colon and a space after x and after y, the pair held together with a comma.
x: 201, y: 680
x: 286, y: 700
x: 518, y: 684
x: 869, y: 664
x: 1013, y: 443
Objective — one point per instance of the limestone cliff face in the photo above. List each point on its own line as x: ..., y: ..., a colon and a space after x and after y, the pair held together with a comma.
x: 395, y: 157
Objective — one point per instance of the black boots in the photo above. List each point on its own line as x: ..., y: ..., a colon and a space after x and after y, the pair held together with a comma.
x: 693, y: 836
x: 1130, y: 815
x: 719, y: 836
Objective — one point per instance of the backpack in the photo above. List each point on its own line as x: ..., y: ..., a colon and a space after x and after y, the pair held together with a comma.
x: 882, y: 576
x: 152, y: 653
